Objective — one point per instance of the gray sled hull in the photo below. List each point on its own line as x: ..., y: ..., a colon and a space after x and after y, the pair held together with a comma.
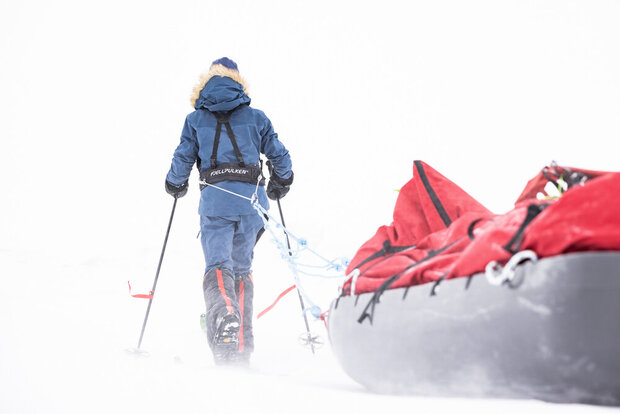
x: 555, y: 337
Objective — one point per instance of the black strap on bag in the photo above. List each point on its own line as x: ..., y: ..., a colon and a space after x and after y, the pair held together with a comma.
x: 229, y: 171
x: 514, y: 244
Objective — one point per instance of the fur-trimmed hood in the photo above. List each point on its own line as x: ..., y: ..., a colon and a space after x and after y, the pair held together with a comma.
x: 220, y: 88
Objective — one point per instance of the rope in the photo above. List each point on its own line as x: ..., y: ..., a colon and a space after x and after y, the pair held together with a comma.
x: 227, y: 191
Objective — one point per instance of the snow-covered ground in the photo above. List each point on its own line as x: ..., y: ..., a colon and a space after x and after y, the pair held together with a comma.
x: 92, y: 99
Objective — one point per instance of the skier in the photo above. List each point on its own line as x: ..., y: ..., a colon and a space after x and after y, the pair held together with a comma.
x: 224, y: 136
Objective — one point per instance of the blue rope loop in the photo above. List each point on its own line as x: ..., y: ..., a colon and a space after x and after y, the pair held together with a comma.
x: 292, y: 256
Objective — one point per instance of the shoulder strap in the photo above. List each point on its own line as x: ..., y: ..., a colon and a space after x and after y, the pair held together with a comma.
x: 223, y: 118
x: 216, y: 143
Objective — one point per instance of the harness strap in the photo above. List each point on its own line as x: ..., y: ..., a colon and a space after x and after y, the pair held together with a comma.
x: 223, y: 118
x: 216, y: 143
x: 233, y: 141
x: 228, y: 171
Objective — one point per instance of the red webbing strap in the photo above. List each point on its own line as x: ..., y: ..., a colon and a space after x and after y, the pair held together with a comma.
x: 140, y: 295
x: 323, y: 317
x: 220, y: 284
x: 241, y: 312
x: 276, y: 301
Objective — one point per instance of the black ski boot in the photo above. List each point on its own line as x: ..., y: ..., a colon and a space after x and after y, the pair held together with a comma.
x: 226, y: 339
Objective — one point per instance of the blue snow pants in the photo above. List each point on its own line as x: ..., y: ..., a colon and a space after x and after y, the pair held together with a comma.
x: 228, y: 245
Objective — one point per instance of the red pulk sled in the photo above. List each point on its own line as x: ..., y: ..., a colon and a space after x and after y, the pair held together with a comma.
x: 453, y: 300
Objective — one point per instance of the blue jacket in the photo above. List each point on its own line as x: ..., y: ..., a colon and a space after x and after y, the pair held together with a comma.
x: 254, y: 135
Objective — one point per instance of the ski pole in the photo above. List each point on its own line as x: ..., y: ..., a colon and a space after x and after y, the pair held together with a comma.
x: 161, y: 258
x: 301, y: 300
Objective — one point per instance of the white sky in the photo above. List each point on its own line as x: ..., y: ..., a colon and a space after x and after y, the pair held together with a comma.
x: 487, y: 92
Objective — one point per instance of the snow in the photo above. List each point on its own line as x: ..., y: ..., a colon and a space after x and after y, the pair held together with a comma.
x: 93, y: 97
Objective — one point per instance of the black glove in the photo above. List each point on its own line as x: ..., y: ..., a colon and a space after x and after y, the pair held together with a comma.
x: 278, y: 187
x: 176, y: 191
